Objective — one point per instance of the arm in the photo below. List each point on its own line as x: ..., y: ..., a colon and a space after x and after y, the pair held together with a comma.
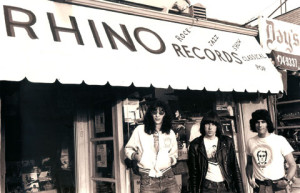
x: 193, y: 168
x: 249, y: 172
x: 173, y: 154
x: 132, y: 147
x: 292, y: 166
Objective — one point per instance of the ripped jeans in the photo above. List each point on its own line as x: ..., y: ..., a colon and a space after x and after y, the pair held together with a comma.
x: 164, y: 184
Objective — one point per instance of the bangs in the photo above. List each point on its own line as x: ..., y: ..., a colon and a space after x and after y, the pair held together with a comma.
x: 213, y: 120
x: 210, y: 121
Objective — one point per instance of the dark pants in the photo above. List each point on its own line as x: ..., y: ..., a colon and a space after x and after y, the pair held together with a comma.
x: 165, y: 184
x: 268, y: 186
x: 215, y: 187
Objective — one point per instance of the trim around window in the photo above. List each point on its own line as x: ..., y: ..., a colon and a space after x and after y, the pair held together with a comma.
x: 111, y: 6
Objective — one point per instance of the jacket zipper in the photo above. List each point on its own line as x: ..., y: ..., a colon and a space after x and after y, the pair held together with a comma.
x: 218, y: 161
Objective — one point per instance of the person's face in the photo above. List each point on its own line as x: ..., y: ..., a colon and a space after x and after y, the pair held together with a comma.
x: 158, y: 115
x: 261, y: 127
x: 210, y: 129
x: 262, y: 156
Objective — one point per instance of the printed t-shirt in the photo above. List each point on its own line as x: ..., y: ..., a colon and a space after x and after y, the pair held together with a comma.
x: 268, y: 156
x: 214, y: 171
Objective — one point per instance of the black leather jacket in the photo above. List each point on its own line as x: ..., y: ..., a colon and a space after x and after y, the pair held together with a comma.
x: 198, y: 164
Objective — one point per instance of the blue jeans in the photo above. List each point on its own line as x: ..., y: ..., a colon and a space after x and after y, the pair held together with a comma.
x: 165, y: 184
x: 213, y: 187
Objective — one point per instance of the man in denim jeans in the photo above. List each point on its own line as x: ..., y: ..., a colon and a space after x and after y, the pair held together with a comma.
x: 213, y: 166
x: 267, y: 153
x: 154, y: 146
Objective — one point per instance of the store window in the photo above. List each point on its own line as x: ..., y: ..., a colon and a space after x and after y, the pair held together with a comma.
x: 102, y: 148
x: 39, y: 147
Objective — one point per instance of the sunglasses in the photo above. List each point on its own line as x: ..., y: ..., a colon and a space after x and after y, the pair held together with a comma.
x: 158, y: 110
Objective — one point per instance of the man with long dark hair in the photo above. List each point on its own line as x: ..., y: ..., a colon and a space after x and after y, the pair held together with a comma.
x: 266, y: 155
x: 213, y: 166
x: 154, y: 146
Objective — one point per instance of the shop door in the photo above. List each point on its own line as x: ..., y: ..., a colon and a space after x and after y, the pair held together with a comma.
x: 99, y: 151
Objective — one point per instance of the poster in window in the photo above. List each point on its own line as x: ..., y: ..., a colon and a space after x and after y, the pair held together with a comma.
x: 131, y: 110
x: 101, y: 155
x: 99, y: 122
x: 227, y: 127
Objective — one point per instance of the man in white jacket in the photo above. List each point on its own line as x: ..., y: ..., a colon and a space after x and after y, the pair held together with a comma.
x: 154, y: 146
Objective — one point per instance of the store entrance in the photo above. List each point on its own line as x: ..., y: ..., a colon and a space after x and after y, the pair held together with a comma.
x: 39, y: 138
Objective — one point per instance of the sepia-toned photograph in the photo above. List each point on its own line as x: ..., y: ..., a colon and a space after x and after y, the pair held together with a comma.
x: 150, y: 96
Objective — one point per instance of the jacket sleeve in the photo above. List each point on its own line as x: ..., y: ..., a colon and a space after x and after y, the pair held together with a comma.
x: 133, y: 144
x: 237, y: 178
x: 192, y: 165
x: 173, y: 154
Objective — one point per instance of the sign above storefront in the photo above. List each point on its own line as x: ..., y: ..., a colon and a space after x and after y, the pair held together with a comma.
x: 46, y: 41
x: 279, y: 36
x: 286, y: 61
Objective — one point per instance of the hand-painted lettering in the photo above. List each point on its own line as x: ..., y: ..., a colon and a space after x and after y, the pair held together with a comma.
x: 162, y: 48
x: 55, y: 29
x: 11, y: 23
x: 111, y: 34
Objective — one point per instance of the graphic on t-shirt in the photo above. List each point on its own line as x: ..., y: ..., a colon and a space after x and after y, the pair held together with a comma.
x: 167, y: 142
x: 211, y: 154
x: 262, y: 155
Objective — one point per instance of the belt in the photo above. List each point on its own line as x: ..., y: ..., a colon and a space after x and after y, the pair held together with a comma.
x: 267, y: 182
x: 215, y: 183
x: 142, y: 170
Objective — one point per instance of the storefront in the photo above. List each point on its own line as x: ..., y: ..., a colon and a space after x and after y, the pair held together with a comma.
x: 280, y: 40
x: 76, y: 80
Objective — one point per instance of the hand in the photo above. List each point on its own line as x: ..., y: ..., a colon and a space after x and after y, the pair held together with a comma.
x: 252, y: 183
x: 282, y: 184
x: 138, y: 157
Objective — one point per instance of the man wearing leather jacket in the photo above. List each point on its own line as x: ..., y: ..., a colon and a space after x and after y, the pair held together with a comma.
x: 212, y: 162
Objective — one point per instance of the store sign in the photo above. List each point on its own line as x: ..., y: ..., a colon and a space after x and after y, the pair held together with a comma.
x: 286, y: 61
x: 44, y: 41
x: 279, y: 36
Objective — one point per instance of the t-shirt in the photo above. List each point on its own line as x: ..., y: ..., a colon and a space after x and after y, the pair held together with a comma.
x: 268, y: 156
x: 213, y: 171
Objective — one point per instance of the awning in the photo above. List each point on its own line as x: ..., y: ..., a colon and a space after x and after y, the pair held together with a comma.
x: 46, y: 41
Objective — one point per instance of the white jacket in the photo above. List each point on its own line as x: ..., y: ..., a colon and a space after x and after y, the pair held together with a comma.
x: 143, y: 144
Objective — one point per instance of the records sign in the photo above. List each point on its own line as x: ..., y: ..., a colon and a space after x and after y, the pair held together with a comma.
x: 286, y: 61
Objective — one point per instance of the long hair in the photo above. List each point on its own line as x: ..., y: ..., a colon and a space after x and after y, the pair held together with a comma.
x: 261, y: 114
x: 211, y: 117
x: 149, y: 121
